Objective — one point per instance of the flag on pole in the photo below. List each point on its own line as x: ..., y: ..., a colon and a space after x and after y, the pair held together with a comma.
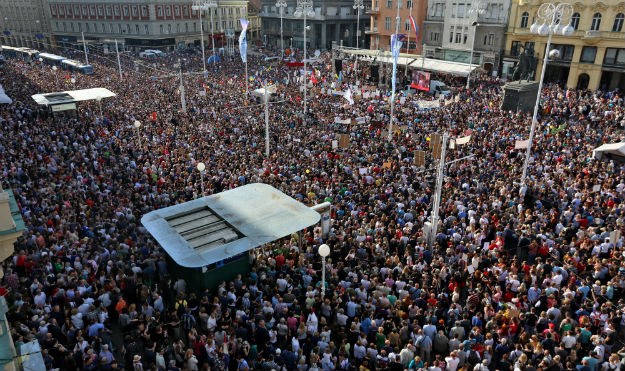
x: 415, y: 28
x: 243, y: 40
x: 395, y: 48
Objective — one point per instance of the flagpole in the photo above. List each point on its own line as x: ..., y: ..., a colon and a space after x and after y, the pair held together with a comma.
x: 84, y: 46
x: 408, y: 46
x: 119, y: 63
x: 393, y: 53
x: 247, y: 92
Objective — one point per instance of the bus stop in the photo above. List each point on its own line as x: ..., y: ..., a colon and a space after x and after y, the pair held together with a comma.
x: 209, y: 238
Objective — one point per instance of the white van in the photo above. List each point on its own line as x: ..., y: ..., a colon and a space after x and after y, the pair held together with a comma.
x: 438, y: 88
x: 147, y: 54
x: 158, y: 53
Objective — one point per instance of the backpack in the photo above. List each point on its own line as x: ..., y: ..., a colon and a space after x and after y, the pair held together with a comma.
x: 473, y: 358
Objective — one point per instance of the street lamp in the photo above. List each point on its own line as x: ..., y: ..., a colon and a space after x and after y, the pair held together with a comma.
x: 99, y: 100
x: 201, y: 167
x: 358, y: 5
x: 551, y: 19
x: 281, y: 4
x: 137, y: 126
x: 324, y: 251
x: 304, y: 8
x: 474, y: 13
x: 200, y: 6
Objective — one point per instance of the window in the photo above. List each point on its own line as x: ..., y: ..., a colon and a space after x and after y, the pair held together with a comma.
x: 103, y: 27
x: 618, y: 22
x: 461, y: 10
x: 465, y: 36
x: 186, y: 27
x: 119, y: 28
x: 458, y: 37
x: 162, y: 29
x: 588, y: 54
x: 451, y: 35
x: 575, y: 21
x: 144, y: 11
x: 434, y: 36
x: 116, y: 10
x: 389, y: 3
x: 566, y: 51
x: 146, y: 29
x: 126, y: 11
x: 524, y: 19
x: 100, y: 11
x: 515, y: 48
x: 489, y: 39
x: 108, y: 11
x: 137, y: 29
x: 64, y: 27
x: 178, y: 28
x: 177, y: 11
x: 79, y: 27
x: 135, y: 12
x: 159, y: 11
x: 614, y: 57
x: 399, y: 4
x: 454, y: 6
x: 169, y: 29
x: 596, y: 22
x: 407, y: 25
x: 168, y: 11
x: 408, y: 4
x: 387, y: 23
x: 87, y: 27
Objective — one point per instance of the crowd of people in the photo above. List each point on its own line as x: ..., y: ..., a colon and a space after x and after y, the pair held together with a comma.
x: 518, y: 277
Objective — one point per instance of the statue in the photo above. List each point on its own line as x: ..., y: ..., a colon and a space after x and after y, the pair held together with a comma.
x: 524, y: 70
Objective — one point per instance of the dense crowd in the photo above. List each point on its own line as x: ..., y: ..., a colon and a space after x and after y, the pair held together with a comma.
x: 519, y: 277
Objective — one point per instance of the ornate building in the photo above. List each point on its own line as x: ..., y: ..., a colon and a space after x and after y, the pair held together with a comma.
x: 454, y: 27
x: 592, y: 58
x: 383, y: 15
x: 24, y: 23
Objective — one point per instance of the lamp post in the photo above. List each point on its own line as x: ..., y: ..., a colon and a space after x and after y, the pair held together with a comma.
x: 304, y: 8
x: 99, y: 100
x: 358, y: 5
x: 200, y: 6
x: 474, y: 13
x: 551, y: 19
x: 281, y: 4
x: 201, y: 167
x: 56, y: 79
x: 137, y: 125
x: 324, y: 251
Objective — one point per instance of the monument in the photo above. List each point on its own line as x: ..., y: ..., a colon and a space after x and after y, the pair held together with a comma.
x: 520, y: 94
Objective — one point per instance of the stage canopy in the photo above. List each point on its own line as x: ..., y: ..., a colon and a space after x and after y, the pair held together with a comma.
x: 413, y: 61
x: 611, y: 151
x: 213, y: 228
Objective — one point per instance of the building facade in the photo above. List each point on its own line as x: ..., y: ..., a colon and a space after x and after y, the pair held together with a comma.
x: 139, y: 25
x: 384, y: 22
x: 593, y: 57
x: 24, y: 23
x: 333, y: 21
x: 453, y: 28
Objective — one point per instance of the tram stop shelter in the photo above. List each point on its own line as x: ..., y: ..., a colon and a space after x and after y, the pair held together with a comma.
x: 215, y: 228
x: 66, y: 100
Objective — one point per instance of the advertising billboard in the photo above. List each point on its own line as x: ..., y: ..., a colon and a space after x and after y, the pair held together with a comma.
x: 420, y: 80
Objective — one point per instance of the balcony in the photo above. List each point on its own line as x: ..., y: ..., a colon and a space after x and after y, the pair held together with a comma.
x: 371, y: 31
x: 592, y: 34
x: 372, y: 10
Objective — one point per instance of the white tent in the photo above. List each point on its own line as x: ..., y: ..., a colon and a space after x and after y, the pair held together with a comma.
x: 610, y: 151
x: 4, y: 99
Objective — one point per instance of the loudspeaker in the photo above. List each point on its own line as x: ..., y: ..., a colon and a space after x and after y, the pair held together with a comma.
x: 338, y: 65
x: 375, y: 75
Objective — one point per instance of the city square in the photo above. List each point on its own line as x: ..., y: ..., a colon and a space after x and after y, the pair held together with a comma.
x: 341, y: 195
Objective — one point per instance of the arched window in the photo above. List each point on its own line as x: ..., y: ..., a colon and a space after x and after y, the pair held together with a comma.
x: 524, y: 19
x: 575, y: 21
x: 596, y: 22
x: 618, y: 22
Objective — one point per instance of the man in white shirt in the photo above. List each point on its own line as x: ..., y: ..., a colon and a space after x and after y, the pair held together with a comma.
x: 452, y: 361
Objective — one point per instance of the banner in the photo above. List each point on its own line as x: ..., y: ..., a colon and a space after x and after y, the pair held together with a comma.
x: 420, y: 80
x: 338, y: 120
x: 463, y: 140
x: 428, y: 104
x: 243, y: 40
x: 521, y: 144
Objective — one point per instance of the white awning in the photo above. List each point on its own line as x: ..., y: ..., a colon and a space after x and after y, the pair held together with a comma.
x: 415, y: 61
x: 610, y: 151
x: 4, y: 99
x: 72, y: 96
x: 217, y: 227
